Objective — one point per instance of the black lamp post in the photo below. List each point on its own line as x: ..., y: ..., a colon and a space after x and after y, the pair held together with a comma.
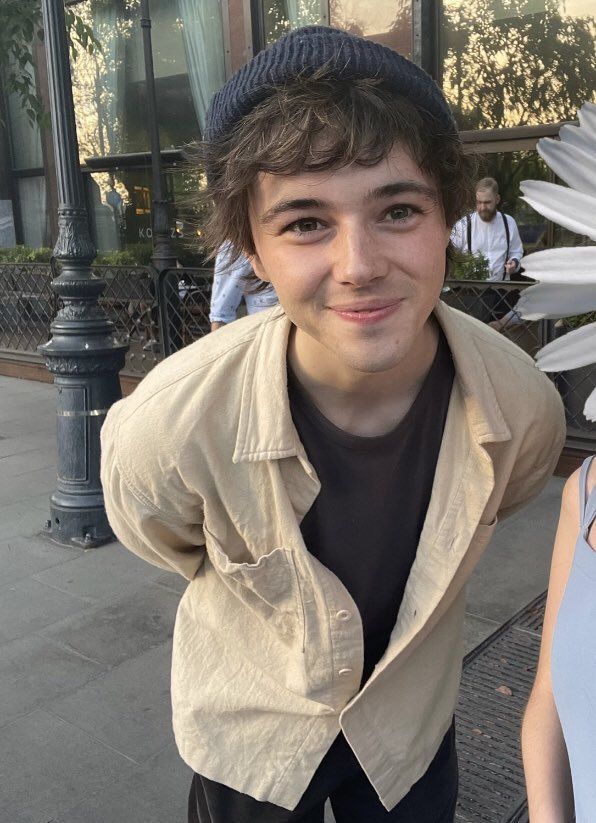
x: 83, y: 354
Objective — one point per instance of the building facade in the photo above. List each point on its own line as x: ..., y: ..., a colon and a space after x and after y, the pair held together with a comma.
x: 513, y: 70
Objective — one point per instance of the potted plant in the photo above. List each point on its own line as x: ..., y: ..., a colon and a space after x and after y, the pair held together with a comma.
x: 471, y: 270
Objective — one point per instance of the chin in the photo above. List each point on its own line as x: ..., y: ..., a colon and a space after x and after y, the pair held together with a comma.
x: 373, y: 362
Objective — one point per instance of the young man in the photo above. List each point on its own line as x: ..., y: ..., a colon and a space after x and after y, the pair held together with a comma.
x: 327, y: 474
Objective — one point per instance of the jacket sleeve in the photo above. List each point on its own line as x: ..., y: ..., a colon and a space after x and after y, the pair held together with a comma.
x: 166, y: 530
x: 539, y: 453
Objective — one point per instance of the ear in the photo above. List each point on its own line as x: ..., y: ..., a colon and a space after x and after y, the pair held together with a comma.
x: 257, y: 267
x: 498, y: 199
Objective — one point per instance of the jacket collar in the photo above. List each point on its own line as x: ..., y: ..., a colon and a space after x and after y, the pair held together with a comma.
x: 265, y: 427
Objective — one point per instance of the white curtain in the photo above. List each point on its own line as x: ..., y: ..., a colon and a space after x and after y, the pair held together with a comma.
x: 304, y: 13
x: 203, y: 44
x: 107, y: 74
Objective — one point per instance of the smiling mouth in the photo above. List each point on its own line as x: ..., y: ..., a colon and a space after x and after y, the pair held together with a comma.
x: 367, y: 314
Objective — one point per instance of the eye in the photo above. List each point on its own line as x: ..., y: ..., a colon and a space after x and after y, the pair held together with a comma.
x: 306, y: 225
x: 400, y: 213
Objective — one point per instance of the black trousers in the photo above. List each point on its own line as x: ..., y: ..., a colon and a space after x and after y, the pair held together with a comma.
x: 341, y: 779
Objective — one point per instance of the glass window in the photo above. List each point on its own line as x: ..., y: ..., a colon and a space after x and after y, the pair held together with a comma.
x: 518, y: 62
x: 109, y: 86
x: 34, y: 213
x: 388, y: 22
x: 120, y: 203
x: 281, y: 16
x: 385, y: 21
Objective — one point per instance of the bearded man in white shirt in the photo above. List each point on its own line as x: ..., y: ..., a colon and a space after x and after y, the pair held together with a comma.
x: 490, y: 232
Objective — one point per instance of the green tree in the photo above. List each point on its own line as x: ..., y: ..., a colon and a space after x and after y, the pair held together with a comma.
x: 20, y: 27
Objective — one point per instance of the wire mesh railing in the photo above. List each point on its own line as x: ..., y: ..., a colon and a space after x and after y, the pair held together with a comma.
x: 495, y: 303
x: 157, y: 314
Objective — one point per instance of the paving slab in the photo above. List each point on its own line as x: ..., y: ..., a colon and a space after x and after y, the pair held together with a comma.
x: 33, y: 487
x: 157, y: 793
x: 20, y: 520
x: 122, y: 628
x: 48, y: 765
x: 24, y: 556
x: 27, y: 606
x: 17, y: 464
x: 128, y: 708
x: 107, y: 570
x: 35, y: 670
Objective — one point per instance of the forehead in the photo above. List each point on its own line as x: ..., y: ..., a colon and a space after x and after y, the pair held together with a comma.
x: 346, y: 184
x: 485, y: 194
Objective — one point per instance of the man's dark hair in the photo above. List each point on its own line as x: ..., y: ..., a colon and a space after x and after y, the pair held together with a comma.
x: 321, y: 123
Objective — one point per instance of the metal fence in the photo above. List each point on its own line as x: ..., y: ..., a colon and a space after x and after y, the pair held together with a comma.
x: 159, y: 314
x: 492, y: 303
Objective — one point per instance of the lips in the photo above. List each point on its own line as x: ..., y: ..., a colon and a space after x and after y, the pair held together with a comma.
x: 368, y: 313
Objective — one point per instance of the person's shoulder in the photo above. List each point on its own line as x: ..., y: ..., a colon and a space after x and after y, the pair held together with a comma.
x: 512, y: 372
x: 207, y: 370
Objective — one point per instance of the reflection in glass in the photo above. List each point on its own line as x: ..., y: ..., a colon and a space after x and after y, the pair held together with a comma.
x: 518, y: 62
x: 119, y: 203
x: 281, y: 16
x: 385, y: 21
x: 388, y: 22
x: 109, y: 85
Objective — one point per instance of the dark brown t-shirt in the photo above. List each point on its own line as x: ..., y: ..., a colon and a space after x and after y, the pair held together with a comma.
x: 366, y: 521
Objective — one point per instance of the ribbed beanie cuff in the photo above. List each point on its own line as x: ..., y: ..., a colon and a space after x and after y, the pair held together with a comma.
x: 304, y: 51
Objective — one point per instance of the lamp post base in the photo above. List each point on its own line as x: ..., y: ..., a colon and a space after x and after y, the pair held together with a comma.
x: 85, y: 528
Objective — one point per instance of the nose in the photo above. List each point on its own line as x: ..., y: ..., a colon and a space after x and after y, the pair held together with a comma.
x: 356, y: 261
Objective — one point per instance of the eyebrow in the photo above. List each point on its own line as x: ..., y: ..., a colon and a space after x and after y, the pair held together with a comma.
x: 387, y: 190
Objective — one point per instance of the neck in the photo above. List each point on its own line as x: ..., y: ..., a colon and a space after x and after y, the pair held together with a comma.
x: 364, y: 404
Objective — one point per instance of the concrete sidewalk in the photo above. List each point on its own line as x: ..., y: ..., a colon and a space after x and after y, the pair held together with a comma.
x: 85, y: 641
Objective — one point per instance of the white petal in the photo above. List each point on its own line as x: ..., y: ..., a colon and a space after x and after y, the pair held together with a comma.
x: 574, y: 165
x: 587, y: 118
x: 571, y: 209
x: 548, y: 301
x: 576, y: 348
x: 566, y: 265
x: 574, y: 135
x: 590, y: 407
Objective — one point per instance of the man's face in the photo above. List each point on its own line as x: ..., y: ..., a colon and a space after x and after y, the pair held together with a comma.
x: 486, y: 204
x: 356, y: 255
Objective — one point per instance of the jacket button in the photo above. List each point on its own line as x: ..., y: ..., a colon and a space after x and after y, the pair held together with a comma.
x: 344, y: 615
x: 344, y: 672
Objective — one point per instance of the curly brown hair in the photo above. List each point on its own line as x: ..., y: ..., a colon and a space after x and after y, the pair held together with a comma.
x: 320, y: 123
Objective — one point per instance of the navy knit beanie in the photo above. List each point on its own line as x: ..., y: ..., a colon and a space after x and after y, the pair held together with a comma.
x: 304, y: 51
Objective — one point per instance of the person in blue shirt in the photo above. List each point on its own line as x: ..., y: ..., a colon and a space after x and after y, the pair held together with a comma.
x: 231, y: 285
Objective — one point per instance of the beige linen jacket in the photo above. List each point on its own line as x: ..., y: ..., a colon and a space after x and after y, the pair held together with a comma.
x: 204, y: 474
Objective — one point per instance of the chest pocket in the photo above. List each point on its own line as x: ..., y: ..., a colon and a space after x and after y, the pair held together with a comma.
x: 269, y: 587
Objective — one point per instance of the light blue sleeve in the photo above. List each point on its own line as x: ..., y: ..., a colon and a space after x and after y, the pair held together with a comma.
x: 228, y: 286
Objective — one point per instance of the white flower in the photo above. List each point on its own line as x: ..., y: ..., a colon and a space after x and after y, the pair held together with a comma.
x: 566, y: 277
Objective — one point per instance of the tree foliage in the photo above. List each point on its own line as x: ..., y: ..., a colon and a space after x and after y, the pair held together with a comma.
x: 20, y: 30
x: 516, y: 62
